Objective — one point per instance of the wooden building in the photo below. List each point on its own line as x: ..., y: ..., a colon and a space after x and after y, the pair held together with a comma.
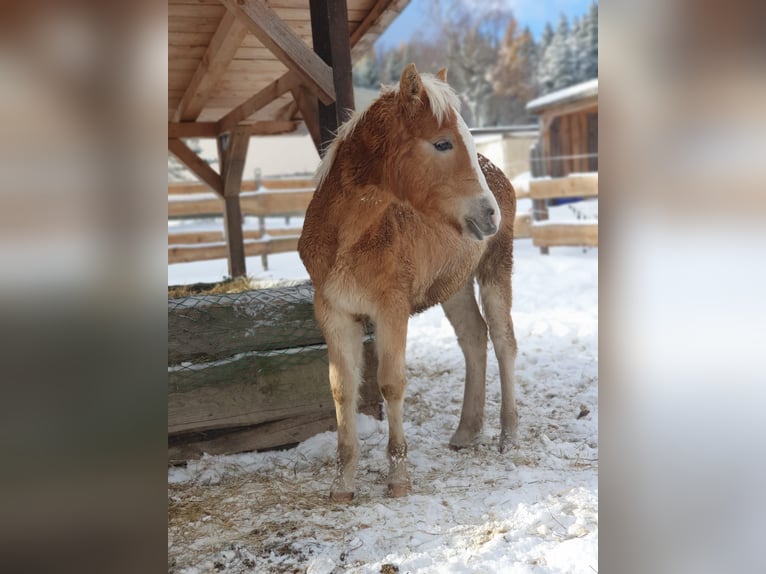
x: 564, y: 163
x: 568, y: 131
x: 238, y: 68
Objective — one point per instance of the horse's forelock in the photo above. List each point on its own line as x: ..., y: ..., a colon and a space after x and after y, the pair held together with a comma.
x: 442, y: 100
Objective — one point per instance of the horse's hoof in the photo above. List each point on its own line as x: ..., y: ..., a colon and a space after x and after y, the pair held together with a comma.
x: 342, y: 497
x: 464, y: 440
x: 399, y: 490
x: 507, y: 440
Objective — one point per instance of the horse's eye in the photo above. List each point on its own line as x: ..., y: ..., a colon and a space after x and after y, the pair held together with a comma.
x: 443, y: 145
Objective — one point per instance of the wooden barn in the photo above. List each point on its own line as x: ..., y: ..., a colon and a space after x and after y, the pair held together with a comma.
x: 564, y: 163
x: 568, y: 130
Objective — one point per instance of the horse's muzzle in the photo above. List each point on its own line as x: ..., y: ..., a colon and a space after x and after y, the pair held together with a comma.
x: 484, y: 225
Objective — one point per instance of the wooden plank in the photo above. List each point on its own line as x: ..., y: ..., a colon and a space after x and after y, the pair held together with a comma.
x: 276, y: 203
x: 192, y: 130
x: 268, y: 435
x: 196, y: 237
x: 256, y: 102
x: 184, y: 188
x: 580, y: 185
x: 187, y: 254
x: 224, y: 43
x: 273, y: 127
x: 251, y: 389
x: 262, y: 204
x: 565, y: 234
x: 285, y: 43
x: 196, y: 164
x: 521, y: 226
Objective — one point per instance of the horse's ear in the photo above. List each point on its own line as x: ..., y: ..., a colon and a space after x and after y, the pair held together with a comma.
x: 442, y: 75
x: 410, y: 84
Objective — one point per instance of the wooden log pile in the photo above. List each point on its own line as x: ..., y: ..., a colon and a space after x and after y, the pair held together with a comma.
x: 249, y: 371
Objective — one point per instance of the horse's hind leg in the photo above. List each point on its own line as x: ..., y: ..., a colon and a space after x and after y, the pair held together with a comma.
x: 496, y: 300
x: 343, y: 334
x: 471, y: 330
x: 391, y: 343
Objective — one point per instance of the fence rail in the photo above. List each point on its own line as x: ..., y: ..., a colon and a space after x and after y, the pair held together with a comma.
x: 266, y: 198
x: 560, y: 234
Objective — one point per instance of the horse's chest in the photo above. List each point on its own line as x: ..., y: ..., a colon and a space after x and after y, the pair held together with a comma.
x: 444, y: 276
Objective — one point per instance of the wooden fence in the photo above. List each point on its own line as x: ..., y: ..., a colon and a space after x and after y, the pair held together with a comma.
x: 272, y: 198
x: 290, y: 198
x: 549, y: 234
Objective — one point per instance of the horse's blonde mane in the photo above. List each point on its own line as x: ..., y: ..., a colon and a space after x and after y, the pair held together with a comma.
x: 441, y: 97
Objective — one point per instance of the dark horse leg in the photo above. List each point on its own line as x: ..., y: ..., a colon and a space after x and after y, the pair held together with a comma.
x: 471, y: 330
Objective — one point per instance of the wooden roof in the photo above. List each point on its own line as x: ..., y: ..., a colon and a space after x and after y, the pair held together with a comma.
x: 249, y: 62
x: 579, y: 95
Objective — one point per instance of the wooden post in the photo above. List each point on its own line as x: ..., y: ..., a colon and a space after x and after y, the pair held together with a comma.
x: 232, y: 149
x: 539, y: 207
x: 329, y: 30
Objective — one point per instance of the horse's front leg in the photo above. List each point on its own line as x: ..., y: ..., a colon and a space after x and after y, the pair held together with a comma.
x: 343, y: 334
x: 391, y: 343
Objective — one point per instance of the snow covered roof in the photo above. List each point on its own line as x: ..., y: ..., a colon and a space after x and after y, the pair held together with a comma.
x: 571, y: 94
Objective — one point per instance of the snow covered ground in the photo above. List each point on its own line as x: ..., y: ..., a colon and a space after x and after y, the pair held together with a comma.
x: 531, y: 510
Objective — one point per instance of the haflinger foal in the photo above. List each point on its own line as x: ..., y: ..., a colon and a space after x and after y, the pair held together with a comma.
x: 405, y: 216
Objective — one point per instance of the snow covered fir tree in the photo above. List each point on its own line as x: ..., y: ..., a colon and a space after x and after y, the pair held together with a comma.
x: 495, y: 65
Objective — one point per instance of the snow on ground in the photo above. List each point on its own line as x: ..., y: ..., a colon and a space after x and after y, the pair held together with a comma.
x: 531, y: 510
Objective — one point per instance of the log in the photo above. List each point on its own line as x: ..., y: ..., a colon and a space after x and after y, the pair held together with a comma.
x: 259, y: 387
x: 212, y: 327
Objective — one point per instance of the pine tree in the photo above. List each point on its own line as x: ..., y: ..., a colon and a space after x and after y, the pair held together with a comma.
x: 589, y: 56
x: 366, y: 73
x: 557, y: 68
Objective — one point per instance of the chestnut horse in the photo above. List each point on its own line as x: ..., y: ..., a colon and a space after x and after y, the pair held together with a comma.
x: 405, y: 215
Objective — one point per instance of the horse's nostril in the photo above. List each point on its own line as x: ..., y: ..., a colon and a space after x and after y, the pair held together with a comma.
x: 490, y: 212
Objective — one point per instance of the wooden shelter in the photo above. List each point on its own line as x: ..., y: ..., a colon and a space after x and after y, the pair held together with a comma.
x: 238, y: 68
x: 568, y: 130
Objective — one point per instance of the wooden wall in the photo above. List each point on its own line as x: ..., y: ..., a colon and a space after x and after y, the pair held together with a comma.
x: 570, y: 141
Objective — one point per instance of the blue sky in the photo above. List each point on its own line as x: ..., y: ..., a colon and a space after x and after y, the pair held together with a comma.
x: 413, y: 21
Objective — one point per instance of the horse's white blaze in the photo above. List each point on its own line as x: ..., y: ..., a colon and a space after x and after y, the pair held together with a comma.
x: 486, y: 197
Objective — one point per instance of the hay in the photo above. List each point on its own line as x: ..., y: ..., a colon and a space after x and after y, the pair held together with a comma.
x: 227, y: 286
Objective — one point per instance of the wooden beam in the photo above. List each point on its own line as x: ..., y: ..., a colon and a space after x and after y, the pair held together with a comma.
x: 232, y: 150
x: 196, y: 164
x: 581, y: 185
x: 235, y: 151
x: 564, y: 234
x: 256, y: 102
x: 223, y: 45
x: 372, y: 16
x: 310, y: 113
x: 286, y: 45
x: 272, y: 127
x: 192, y: 129
x: 329, y: 31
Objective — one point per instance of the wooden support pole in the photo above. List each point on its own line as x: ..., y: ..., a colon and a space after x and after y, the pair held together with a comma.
x: 232, y: 149
x: 537, y: 161
x: 329, y: 31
